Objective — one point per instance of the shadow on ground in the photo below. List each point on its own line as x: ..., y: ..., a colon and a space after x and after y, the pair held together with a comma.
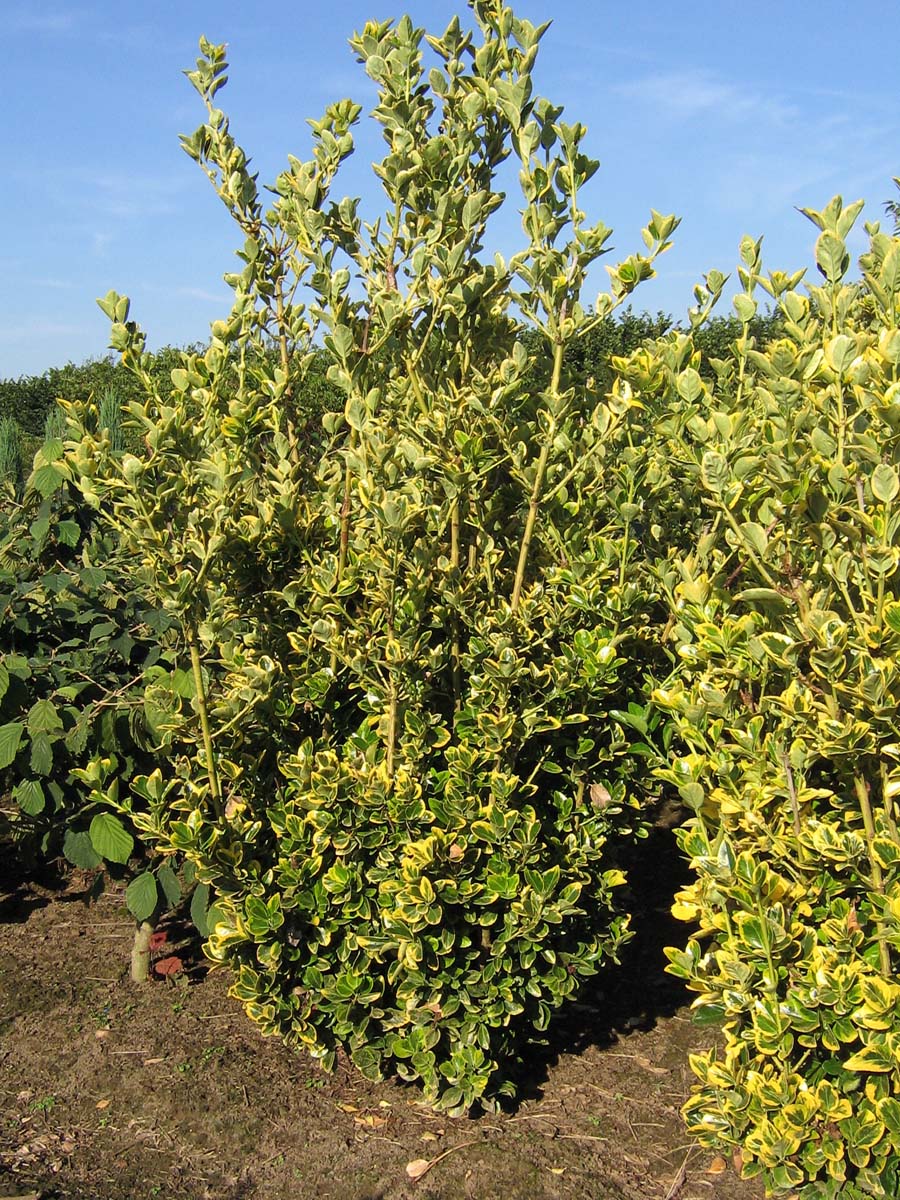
x: 636, y: 993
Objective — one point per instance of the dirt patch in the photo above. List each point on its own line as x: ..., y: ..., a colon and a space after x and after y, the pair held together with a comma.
x: 110, y: 1091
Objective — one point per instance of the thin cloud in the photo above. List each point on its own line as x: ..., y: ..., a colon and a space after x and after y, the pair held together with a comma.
x: 196, y: 293
x: 116, y: 193
x: 26, y: 21
x: 686, y: 95
x: 100, y: 241
x: 12, y: 334
x: 57, y: 285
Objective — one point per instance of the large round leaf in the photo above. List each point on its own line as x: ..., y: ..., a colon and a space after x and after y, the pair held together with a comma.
x: 110, y: 838
x: 79, y: 851
x: 142, y: 896
x: 29, y: 795
x: 10, y: 736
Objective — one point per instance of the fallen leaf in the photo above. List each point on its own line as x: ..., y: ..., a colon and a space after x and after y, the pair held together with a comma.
x: 101, y: 1033
x: 102, y: 1104
x: 738, y: 1159
x: 419, y: 1166
x: 428, y: 1137
x: 371, y: 1121
x: 149, y: 1062
x: 384, y: 1104
x: 600, y: 795
x: 717, y: 1166
x: 557, y: 1170
x: 347, y: 1108
x: 168, y: 966
x: 649, y: 1066
x: 456, y: 852
x: 158, y: 939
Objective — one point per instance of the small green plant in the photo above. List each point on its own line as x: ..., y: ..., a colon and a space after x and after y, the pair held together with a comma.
x: 55, y: 424
x: 10, y: 455
x: 109, y: 419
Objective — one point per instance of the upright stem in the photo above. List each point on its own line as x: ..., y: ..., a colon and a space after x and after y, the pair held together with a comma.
x: 140, y: 952
x: 285, y: 361
x: 865, y: 807
x: 792, y: 793
x: 455, y: 638
x: 538, y: 486
x: 393, y: 700
x: 214, y: 790
x: 344, y: 541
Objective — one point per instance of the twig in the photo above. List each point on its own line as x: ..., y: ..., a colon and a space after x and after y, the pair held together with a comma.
x: 434, y: 1161
x: 680, y: 1177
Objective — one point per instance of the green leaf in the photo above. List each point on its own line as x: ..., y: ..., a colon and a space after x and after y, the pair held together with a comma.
x: 745, y: 307
x: 10, y: 737
x: 885, y: 483
x: 171, y: 888
x: 876, y: 1057
x: 39, y: 528
x: 200, y: 907
x: 889, y: 1114
x: 886, y: 851
x: 29, y: 795
x: 110, y: 838
x: 68, y: 532
x: 367, y: 1061
x: 41, y: 754
x: 761, y: 595
x: 46, y: 479
x: 840, y: 352
x: 689, y: 385
x: 142, y: 896
x: 755, y: 537
x: 832, y: 258
x: 892, y: 615
x: 79, y: 851
x: 44, y: 718
x: 708, y: 1014
x: 714, y: 471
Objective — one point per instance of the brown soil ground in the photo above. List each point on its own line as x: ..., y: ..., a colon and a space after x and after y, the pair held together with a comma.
x: 111, y: 1091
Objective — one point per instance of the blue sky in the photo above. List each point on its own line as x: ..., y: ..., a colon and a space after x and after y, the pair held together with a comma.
x: 727, y: 114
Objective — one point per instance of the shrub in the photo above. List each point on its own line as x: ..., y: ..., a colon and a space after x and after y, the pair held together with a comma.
x: 785, y: 621
x: 86, y: 683
x: 408, y: 781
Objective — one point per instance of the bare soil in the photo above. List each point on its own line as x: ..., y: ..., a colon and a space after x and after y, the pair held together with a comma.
x: 112, y: 1091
